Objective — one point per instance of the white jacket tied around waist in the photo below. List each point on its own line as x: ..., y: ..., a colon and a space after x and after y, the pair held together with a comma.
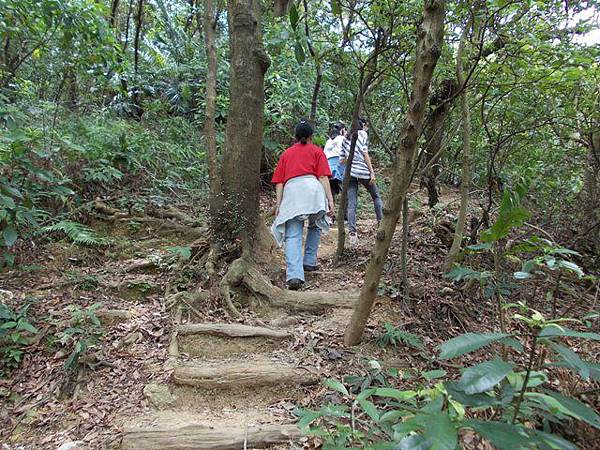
x: 304, y: 198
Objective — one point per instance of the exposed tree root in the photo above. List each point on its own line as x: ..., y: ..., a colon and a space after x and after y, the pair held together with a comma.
x: 242, y: 374
x: 231, y: 330
x: 244, y: 274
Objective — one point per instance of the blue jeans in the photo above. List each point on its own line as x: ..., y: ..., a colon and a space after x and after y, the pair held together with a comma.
x: 353, y: 200
x: 294, y: 260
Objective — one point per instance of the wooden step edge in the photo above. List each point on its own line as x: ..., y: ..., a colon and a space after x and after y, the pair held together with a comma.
x: 233, y: 330
x: 199, y: 436
x: 242, y: 374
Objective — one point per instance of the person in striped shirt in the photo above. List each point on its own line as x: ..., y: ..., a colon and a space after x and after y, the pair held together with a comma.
x: 361, y: 172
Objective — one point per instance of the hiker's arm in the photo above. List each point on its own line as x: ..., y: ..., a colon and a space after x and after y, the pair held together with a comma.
x: 325, y: 183
x: 368, y: 161
x: 279, y: 192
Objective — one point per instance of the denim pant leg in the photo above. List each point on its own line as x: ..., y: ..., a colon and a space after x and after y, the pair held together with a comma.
x: 352, y: 200
x: 377, y: 202
x: 293, y: 249
x: 311, y: 246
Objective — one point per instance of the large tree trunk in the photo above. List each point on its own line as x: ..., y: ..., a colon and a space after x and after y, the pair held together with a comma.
x: 429, y: 47
x: 210, y: 135
x: 466, y: 162
x: 590, y: 226
x: 434, y: 135
x: 239, y: 210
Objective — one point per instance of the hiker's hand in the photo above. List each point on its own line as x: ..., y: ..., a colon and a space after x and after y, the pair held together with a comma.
x: 372, y: 180
x: 331, y: 212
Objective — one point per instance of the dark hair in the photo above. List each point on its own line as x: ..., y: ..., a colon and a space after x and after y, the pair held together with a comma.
x: 336, y: 130
x: 303, y: 131
x: 361, y: 122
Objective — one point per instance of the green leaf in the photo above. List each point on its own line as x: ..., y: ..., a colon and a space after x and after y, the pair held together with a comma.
x: 294, y: 16
x: 24, y: 325
x: 440, y: 431
x: 512, y: 342
x: 484, y: 376
x: 370, y: 409
x: 577, y: 409
x: 554, y: 330
x: 336, y: 8
x: 10, y: 236
x: 572, y: 359
x: 396, y: 394
x: 307, y: 416
x: 467, y: 343
x: 337, y: 386
x: 593, y: 367
x: 476, y: 400
x: 433, y: 374
x: 551, y: 441
x: 505, y: 436
x: 299, y: 52
x: 522, y: 275
x: 414, y: 442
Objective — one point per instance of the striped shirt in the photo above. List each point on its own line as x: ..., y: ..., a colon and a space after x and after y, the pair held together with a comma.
x: 359, y: 169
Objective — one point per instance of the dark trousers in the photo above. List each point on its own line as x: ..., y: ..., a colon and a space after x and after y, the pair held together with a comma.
x: 353, y: 200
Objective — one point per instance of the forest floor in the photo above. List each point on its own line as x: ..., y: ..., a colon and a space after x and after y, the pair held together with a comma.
x: 220, y: 390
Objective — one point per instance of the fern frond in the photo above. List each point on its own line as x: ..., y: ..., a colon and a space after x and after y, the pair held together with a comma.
x: 78, y: 233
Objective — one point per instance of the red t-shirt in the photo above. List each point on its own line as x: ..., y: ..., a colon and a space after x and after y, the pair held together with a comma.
x: 301, y: 159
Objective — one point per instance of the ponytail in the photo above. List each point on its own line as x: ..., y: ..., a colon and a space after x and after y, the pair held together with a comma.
x: 303, y: 132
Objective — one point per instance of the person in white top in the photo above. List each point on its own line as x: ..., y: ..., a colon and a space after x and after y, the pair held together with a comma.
x: 333, y: 151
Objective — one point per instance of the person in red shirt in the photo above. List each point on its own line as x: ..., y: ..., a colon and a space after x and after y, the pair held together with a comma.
x: 302, y: 184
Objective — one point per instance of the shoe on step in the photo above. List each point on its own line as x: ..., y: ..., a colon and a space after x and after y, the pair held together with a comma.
x: 353, y: 239
x: 308, y: 268
x: 294, y: 284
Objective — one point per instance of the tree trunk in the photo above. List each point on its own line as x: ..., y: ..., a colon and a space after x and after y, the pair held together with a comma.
x: 429, y: 47
x: 590, y: 226
x: 434, y: 136
x: 136, y: 57
x: 281, y: 8
x: 466, y: 163
x: 210, y: 135
x: 404, y: 251
x: 114, y: 8
x: 239, y: 210
x: 367, y: 74
x: 319, y: 71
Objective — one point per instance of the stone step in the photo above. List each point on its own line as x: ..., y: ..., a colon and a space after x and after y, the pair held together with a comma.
x: 182, y: 431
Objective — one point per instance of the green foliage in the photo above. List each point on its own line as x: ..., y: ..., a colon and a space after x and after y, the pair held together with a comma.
x: 76, y: 232
x: 434, y: 416
x: 83, y: 334
x: 395, y: 336
x: 14, y: 329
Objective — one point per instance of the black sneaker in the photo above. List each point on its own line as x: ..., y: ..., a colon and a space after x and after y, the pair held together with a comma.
x: 294, y: 284
x: 311, y: 268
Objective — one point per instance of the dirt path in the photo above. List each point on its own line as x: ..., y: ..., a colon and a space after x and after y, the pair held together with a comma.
x: 235, y: 386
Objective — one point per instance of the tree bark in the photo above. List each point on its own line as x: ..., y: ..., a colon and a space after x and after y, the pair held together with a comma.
x: 434, y: 135
x: 114, y: 8
x: 210, y: 134
x: 318, y: 69
x: 240, y: 172
x: 466, y: 163
x: 367, y: 75
x: 429, y: 47
x: 136, y: 57
x: 590, y: 229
